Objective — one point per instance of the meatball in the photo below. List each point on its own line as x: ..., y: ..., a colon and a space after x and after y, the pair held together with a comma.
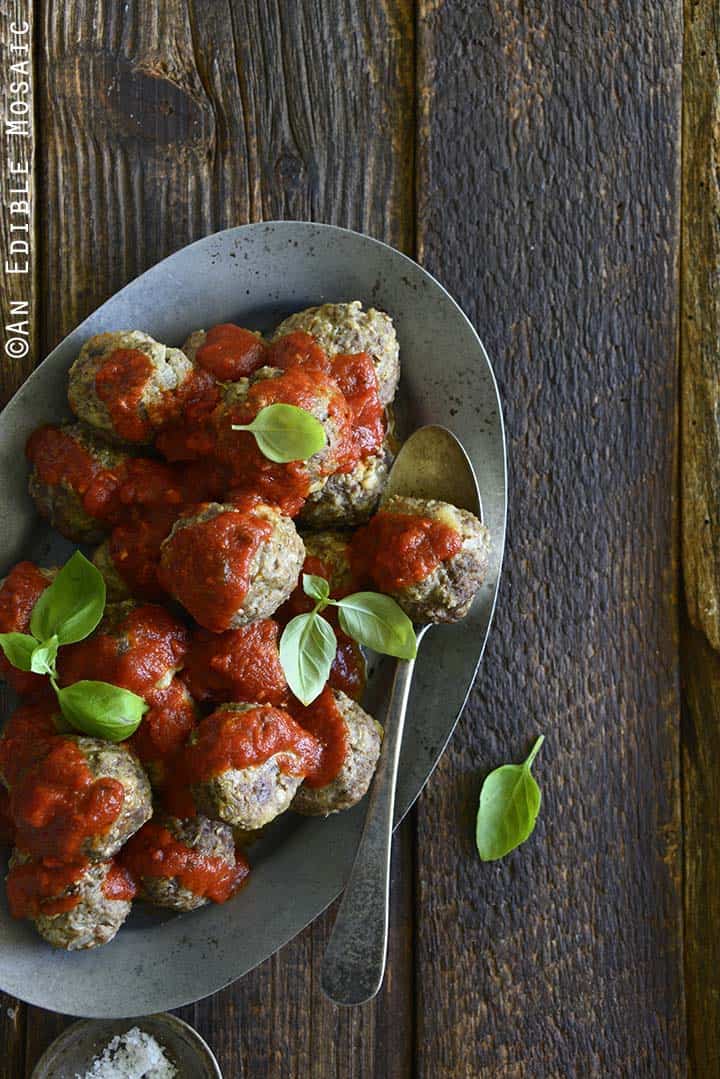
x: 351, y: 741
x: 72, y: 906
x: 227, y: 351
x: 430, y: 556
x: 137, y: 646
x: 238, y: 665
x: 284, y: 484
x: 327, y: 554
x: 230, y: 564
x: 19, y: 592
x: 128, y: 385
x: 348, y: 498
x: 245, y: 763
x: 347, y: 328
x: 184, y: 864
x: 116, y: 587
x: 74, y: 480
x: 83, y: 798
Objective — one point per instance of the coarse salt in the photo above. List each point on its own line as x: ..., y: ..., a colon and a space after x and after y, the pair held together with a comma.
x: 133, y: 1055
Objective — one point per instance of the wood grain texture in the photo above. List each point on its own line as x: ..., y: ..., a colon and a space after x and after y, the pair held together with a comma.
x: 701, y: 796
x: 18, y: 265
x: 548, y: 199
x: 164, y: 122
x: 701, y: 317
x: 700, y: 493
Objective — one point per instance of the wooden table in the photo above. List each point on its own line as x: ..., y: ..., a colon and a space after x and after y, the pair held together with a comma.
x: 529, y: 154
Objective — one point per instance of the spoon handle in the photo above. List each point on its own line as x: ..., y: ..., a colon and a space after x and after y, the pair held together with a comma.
x: 354, y: 963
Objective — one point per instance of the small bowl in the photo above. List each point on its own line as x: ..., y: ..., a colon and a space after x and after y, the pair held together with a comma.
x: 74, y: 1051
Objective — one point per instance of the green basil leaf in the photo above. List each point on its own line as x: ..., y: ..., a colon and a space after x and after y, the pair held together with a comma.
x: 73, y: 604
x: 379, y: 623
x: 101, y: 710
x: 307, y: 650
x: 315, y: 587
x: 286, y: 433
x: 509, y: 805
x: 42, y: 660
x: 18, y: 649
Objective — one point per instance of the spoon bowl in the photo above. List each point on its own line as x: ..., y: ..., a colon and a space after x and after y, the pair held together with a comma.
x: 432, y: 465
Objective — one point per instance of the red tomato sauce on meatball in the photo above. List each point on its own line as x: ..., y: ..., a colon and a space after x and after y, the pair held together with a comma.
x: 35, y: 888
x: 190, y: 436
x: 21, y: 590
x: 26, y: 737
x: 356, y: 377
x: 396, y: 550
x: 59, y: 458
x: 165, y: 726
x: 155, y: 852
x: 239, y: 665
x: 120, y: 383
x: 136, y: 654
x: 206, y: 565
x: 57, y: 804
x: 323, y: 720
x: 229, y: 352
x: 233, y: 740
x: 118, y: 883
x: 298, y: 349
x: 285, y: 485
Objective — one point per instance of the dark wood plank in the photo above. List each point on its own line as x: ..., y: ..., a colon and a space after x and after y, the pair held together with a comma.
x: 548, y: 199
x: 700, y: 514
x: 18, y: 265
x: 162, y: 123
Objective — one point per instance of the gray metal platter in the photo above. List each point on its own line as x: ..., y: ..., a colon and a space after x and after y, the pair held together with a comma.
x: 256, y: 275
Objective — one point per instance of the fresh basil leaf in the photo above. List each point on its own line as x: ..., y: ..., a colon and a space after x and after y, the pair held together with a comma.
x: 509, y: 805
x: 18, y: 649
x: 71, y: 607
x: 101, y: 710
x: 42, y: 660
x: 286, y: 433
x: 379, y: 623
x: 315, y: 587
x: 307, y: 650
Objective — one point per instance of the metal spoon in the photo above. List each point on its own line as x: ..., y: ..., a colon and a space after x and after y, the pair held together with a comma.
x: 431, y: 464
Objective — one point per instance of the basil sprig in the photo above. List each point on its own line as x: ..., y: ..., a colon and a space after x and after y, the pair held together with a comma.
x: 509, y: 805
x: 67, y: 611
x: 308, y: 642
x: 286, y: 433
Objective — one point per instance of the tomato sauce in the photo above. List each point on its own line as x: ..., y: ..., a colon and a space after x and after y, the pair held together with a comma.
x: 120, y: 382
x: 134, y: 549
x: 324, y: 721
x: 59, y: 458
x: 35, y: 888
x: 21, y: 590
x: 136, y: 654
x: 27, y: 737
x: 356, y: 377
x: 206, y: 565
x: 285, y: 485
x: 396, y: 549
x: 57, y: 804
x: 229, y: 352
x: 155, y: 852
x: 348, y: 668
x: 239, y: 665
x: 297, y: 349
x: 190, y: 435
x: 233, y: 740
x: 118, y: 884
x: 165, y: 726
